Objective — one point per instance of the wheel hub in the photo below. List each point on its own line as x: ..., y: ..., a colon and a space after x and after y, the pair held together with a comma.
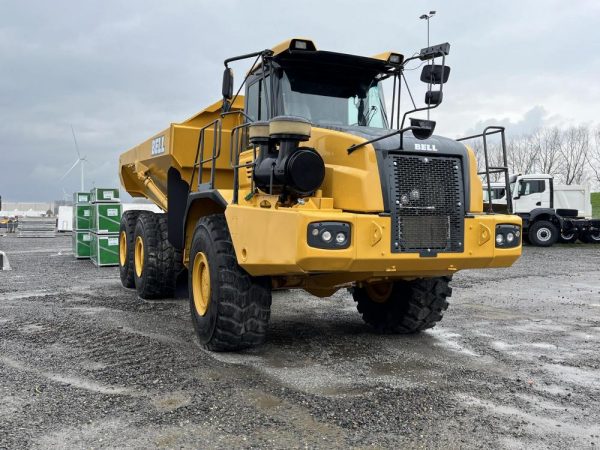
x: 380, y: 292
x: 544, y: 234
x: 201, y: 283
x: 123, y: 248
x: 139, y: 256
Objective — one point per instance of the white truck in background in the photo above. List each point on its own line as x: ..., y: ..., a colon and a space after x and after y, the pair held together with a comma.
x: 551, y: 213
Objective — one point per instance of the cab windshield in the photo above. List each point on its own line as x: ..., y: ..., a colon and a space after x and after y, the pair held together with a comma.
x: 497, y: 193
x: 334, y: 99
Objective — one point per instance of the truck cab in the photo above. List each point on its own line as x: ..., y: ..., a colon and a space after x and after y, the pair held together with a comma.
x: 551, y: 212
x: 531, y: 191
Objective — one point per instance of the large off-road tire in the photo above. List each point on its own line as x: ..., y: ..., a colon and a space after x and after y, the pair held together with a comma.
x: 568, y: 237
x: 170, y: 259
x: 230, y: 309
x: 156, y: 262
x: 126, y: 239
x: 148, y: 279
x: 403, y: 306
x: 590, y: 237
x: 543, y: 234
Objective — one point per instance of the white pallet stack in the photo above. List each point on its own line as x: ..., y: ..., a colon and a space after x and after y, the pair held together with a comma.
x: 37, y: 227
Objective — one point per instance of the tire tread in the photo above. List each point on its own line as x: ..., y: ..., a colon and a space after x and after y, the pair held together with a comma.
x: 413, y: 306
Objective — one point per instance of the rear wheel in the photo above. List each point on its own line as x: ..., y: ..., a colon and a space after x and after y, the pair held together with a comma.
x: 568, y: 237
x: 403, y: 306
x: 590, y: 237
x: 156, y: 262
x: 230, y: 309
x: 146, y: 253
x: 170, y: 259
x: 126, y: 254
x: 543, y: 234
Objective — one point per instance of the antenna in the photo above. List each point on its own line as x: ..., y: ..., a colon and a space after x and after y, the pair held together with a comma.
x: 80, y: 160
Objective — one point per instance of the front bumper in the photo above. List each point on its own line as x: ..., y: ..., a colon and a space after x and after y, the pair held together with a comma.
x: 274, y: 242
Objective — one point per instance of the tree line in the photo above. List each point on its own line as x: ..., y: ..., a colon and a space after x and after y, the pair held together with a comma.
x: 571, y: 155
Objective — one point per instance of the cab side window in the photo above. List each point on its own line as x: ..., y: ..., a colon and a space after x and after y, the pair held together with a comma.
x: 256, y: 100
x: 252, y: 108
x: 532, y: 187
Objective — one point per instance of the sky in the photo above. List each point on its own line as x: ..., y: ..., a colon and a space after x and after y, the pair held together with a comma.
x: 120, y: 71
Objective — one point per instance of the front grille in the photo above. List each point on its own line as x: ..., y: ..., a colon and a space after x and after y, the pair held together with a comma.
x: 427, y: 204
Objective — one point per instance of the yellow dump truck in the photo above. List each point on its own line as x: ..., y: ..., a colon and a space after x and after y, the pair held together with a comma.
x: 306, y: 182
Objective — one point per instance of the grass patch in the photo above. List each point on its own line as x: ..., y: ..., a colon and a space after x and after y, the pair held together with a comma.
x: 596, y: 204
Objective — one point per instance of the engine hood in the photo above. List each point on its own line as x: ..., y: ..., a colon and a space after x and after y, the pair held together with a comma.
x: 386, y: 148
x: 435, y: 143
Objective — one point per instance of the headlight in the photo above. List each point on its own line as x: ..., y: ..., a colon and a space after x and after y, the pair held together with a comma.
x: 340, y: 238
x: 508, y: 236
x: 329, y: 235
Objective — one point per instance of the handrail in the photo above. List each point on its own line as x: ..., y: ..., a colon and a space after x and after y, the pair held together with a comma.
x: 199, y: 160
x: 234, y: 159
x: 489, y: 170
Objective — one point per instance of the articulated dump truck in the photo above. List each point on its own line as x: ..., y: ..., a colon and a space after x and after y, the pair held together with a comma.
x: 306, y: 182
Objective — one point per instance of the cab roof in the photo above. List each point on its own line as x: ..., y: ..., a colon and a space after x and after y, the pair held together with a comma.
x: 299, y: 52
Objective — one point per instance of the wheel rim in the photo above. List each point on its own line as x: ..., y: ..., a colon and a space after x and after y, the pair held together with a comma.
x: 544, y: 234
x: 139, y: 256
x: 201, y: 283
x: 380, y: 292
x: 567, y: 236
x: 595, y: 236
x: 122, y: 248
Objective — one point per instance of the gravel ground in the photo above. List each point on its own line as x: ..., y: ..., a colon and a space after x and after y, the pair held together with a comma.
x: 85, y: 363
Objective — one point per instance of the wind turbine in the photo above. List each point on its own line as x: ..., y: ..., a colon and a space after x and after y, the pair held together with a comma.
x: 80, y: 160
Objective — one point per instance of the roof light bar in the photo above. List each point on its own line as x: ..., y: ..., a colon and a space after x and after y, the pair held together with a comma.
x: 302, y: 45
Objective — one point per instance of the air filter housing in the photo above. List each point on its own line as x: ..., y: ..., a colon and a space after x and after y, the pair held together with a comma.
x: 283, y: 167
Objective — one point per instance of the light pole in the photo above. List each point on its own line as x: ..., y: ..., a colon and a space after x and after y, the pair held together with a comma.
x: 427, y: 17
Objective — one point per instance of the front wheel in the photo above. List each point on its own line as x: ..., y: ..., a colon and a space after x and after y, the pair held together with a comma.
x: 403, y: 307
x: 230, y: 309
x: 543, y: 234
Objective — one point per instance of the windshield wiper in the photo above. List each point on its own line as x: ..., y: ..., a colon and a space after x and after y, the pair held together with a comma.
x: 370, y: 115
x: 421, y: 129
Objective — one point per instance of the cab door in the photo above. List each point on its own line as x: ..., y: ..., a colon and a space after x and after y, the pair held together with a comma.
x: 532, y: 194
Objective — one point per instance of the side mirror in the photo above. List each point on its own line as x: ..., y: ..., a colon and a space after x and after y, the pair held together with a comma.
x: 227, y: 84
x: 435, y: 74
x: 421, y: 128
x: 433, y: 97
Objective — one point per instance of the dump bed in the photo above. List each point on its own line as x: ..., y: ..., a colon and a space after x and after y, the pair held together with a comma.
x: 573, y: 197
x: 144, y: 168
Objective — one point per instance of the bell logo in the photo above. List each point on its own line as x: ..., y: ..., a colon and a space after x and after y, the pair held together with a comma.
x: 426, y: 147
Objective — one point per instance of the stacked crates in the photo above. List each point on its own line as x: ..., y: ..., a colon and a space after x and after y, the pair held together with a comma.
x: 82, y: 214
x: 105, y: 219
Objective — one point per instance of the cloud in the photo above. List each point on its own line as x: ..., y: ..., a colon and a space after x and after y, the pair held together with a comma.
x: 120, y: 71
x: 533, y: 119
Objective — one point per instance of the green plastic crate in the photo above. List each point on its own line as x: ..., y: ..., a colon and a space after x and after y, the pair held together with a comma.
x: 81, y: 244
x: 105, y: 218
x: 82, y: 215
x: 99, y: 195
x: 104, y: 249
x: 81, y: 197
